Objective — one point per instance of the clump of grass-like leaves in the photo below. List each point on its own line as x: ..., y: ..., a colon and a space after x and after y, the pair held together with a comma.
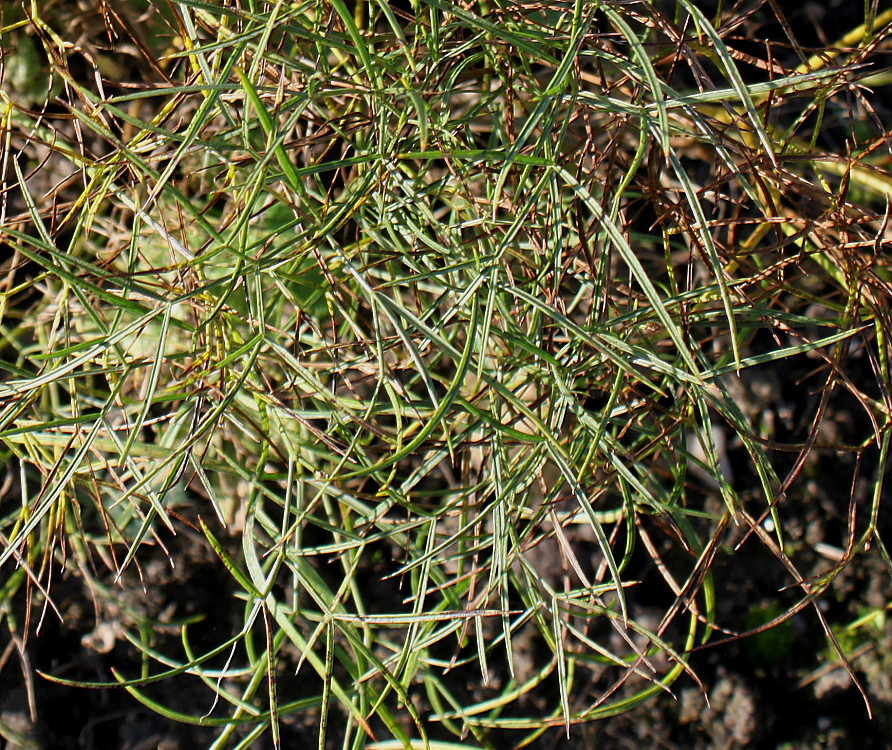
x: 425, y: 322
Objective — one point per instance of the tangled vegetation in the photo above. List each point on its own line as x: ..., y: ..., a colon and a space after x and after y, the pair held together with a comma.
x: 410, y: 374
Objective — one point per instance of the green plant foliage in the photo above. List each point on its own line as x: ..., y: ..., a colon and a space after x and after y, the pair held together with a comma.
x: 422, y: 325
x: 772, y: 645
